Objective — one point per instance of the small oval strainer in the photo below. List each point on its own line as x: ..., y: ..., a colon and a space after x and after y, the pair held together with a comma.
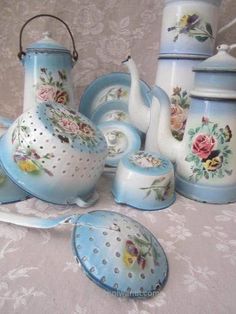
x: 116, y: 252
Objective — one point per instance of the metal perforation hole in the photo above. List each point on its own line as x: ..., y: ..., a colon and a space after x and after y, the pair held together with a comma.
x: 142, y: 276
x: 64, y: 171
x: 41, y: 147
x: 152, y: 270
x: 116, y: 286
x: 104, y: 262
x: 108, y: 244
x: 41, y: 133
x: 73, y: 175
x: 54, y: 167
x: 34, y: 140
x: 54, y: 147
x: 141, y: 289
x: 95, y: 251
x: 103, y: 279
x: 72, y: 156
x: 31, y: 123
x: 130, y: 275
x: 91, y: 239
x: 105, y: 233
x: 117, y: 254
x: 58, y: 159
x: 138, y: 235
x: 78, y: 247
x: 118, y: 239
x: 84, y: 258
x: 68, y: 164
x: 92, y: 269
x: 116, y: 270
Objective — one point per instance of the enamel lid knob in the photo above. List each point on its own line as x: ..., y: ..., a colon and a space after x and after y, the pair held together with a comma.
x: 119, y: 254
x: 47, y: 42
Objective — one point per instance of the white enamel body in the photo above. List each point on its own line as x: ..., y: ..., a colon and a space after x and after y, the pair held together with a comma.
x: 174, y: 11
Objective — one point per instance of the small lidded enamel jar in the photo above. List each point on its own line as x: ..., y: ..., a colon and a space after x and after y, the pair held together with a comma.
x: 189, y: 26
x: 145, y: 181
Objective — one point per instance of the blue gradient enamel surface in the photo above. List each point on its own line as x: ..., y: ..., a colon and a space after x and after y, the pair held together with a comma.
x: 107, y: 107
x: 99, y: 243
x: 206, y: 107
x: 116, y: 78
x: 205, y: 193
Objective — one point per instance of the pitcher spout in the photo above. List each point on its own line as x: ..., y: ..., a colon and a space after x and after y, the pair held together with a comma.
x: 166, y: 143
x: 139, y: 113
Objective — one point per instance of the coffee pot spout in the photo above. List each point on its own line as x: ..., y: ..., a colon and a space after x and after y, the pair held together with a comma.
x: 139, y: 113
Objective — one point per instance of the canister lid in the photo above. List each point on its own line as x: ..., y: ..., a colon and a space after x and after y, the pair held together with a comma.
x: 47, y: 43
x: 215, y: 2
x: 221, y: 62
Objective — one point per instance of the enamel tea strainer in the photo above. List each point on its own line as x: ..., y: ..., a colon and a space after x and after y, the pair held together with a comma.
x: 116, y: 252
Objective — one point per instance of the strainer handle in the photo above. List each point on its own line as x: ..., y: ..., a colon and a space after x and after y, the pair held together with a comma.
x: 21, y: 51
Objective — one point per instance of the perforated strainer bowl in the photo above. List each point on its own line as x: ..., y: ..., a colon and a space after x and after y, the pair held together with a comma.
x: 119, y: 254
x: 55, y: 154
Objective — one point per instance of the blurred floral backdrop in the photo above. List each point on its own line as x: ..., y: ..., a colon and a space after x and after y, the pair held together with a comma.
x: 105, y: 32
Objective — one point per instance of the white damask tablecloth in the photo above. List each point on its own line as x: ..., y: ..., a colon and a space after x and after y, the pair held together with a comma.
x: 39, y: 274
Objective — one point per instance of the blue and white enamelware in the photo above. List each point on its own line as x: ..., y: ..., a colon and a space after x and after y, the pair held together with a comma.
x: 144, y: 180
x: 9, y: 192
x: 122, y: 138
x: 55, y: 154
x: 111, y: 110
x: 116, y: 252
x: 112, y: 86
x: 119, y: 254
x: 48, y: 67
x: 189, y: 27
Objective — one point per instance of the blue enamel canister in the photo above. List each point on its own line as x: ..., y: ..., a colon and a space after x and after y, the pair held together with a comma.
x: 48, y: 67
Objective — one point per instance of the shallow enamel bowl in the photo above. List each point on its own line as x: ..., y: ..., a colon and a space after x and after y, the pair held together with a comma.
x: 144, y: 180
x: 54, y: 154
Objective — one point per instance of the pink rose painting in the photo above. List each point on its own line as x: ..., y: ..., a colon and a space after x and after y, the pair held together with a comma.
x: 46, y: 93
x: 203, y: 145
x: 68, y: 125
x: 51, y: 89
x: 210, y: 152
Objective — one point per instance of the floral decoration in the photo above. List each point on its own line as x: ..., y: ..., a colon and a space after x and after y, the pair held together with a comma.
x: 51, y: 89
x: 161, y: 191
x: 2, y: 177
x: 68, y: 125
x: 147, y: 160
x: 116, y: 142
x: 180, y: 103
x: 193, y: 26
x: 137, y: 250
x: 209, y: 151
x: 25, y: 156
x: 117, y: 115
x: 114, y: 93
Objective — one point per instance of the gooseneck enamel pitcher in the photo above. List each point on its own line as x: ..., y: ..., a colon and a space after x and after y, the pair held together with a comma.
x: 48, y: 67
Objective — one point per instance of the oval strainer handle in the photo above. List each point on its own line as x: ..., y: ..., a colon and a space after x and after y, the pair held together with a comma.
x: 22, y: 53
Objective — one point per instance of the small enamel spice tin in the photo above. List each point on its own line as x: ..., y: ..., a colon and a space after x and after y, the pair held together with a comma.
x: 145, y: 181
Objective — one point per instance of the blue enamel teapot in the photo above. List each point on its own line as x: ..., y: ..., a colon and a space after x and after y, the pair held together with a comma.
x: 48, y: 67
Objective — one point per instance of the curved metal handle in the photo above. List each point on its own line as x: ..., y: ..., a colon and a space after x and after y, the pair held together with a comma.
x: 22, y: 53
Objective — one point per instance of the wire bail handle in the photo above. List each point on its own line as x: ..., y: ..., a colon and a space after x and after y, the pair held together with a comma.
x: 21, y: 51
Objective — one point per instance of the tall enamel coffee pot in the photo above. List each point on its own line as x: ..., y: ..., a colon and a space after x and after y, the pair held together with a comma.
x: 48, y: 67
x: 206, y: 157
